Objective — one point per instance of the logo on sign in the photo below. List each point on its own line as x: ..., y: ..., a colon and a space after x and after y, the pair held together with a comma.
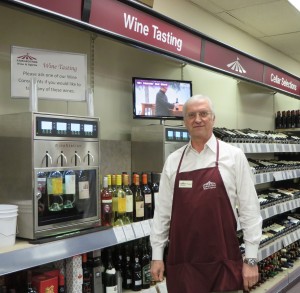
x: 236, y: 66
x: 27, y: 60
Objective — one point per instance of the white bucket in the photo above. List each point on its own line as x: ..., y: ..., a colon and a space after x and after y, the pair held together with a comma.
x: 8, y: 224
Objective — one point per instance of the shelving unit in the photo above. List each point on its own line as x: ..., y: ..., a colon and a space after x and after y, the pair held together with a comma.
x: 24, y: 255
x: 285, y: 278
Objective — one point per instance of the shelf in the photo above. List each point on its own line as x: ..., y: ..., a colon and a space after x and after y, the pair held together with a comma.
x: 24, y: 255
x: 254, y: 148
x: 280, y: 208
x: 276, y: 176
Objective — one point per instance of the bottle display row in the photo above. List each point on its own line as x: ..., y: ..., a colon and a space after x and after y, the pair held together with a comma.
x: 123, y: 203
x: 111, y: 270
x: 254, y: 136
x: 272, y: 165
x: 278, y: 262
x: 287, y: 119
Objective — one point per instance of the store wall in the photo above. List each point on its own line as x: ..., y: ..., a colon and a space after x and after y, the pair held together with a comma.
x: 116, y: 63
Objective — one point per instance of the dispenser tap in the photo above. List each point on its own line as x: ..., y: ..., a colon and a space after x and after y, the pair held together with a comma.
x: 62, y: 158
x: 89, y: 156
x: 76, y: 159
x: 47, y: 158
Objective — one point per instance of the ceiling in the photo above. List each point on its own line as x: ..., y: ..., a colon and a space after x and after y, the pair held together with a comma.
x: 274, y: 22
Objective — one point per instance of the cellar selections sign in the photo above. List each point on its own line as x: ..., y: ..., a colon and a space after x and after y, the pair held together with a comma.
x: 283, y: 81
x: 59, y: 75
x: 147, y: 28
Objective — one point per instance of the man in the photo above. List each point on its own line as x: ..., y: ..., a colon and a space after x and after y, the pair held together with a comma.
x: 201, y: 185
x: 163, y: 107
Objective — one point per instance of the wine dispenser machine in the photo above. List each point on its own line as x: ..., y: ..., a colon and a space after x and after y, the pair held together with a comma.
x: 152, y: 144
x: 50, y: 169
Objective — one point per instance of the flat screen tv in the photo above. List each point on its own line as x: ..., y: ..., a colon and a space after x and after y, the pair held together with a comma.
x: 162, y: 99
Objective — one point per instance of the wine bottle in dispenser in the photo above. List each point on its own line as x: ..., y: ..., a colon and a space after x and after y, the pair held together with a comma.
x: 69, y: 189
x: 83, y: 185
x: 55, y: 191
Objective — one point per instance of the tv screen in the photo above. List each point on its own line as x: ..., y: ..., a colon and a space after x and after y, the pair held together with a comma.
x: 159, y: 98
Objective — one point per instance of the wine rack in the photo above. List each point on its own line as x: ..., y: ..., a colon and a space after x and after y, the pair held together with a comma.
x: 274, y: 278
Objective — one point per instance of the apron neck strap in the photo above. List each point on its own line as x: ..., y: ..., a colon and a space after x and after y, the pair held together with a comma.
x: 217, y: 156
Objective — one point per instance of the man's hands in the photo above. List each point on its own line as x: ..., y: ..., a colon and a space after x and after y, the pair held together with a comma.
x: 250, y: 276
x: 157, y: 270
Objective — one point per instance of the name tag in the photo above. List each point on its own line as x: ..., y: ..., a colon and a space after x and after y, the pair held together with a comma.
x: 185, y: 183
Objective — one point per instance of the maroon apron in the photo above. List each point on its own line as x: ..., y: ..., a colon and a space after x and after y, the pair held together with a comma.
x: 204, y: 254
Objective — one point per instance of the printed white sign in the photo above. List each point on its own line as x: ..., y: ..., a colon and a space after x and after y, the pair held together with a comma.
x: 59, y: 75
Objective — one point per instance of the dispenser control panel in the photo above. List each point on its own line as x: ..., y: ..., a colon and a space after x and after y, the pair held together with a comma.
x: 66, y: 127
x: 176, y: 135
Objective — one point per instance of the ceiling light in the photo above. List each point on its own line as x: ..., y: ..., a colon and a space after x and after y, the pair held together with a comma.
x: 295, y: 3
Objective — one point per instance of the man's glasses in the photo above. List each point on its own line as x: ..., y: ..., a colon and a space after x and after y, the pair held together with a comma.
x: 202, y: 114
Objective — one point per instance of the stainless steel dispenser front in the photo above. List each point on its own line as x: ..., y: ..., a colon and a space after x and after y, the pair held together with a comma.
x: 39, y: 154
x: 152, y: 144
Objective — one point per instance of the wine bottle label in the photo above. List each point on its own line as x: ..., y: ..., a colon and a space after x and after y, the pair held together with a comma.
x: 84, y: 191
x: 148, y: 198
x: 128, y: 281
x: 111, y: 289
x: 129, y: 203
x: 121, y: 204
x: 106, y: 206
x: 70, y: 184
x: 55, y: 186
x: 146, y: 274
x: 138, y: 282
x: 139, y: 209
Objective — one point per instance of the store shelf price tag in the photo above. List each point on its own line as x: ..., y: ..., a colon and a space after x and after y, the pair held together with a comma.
x: 128, y: 231
x: 146, y: 227
x: 138, y: 230
x: 119, y: 233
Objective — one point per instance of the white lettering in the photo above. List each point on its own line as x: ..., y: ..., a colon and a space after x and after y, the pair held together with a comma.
x: 167, y: 37
x: 132, y: 23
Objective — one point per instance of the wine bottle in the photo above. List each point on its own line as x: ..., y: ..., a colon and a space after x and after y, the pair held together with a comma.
x: 86, y: 275
x: 283, y: 119
x: 129, y: 198
x: 106, y: 204
x: 110, y: 276
x: 127, y: 271
x: 145, y: 260
x: 155, y: 178
x: 55, y: 191
x: 114, y: 198
x: 119, y: 268
x: 136, y: 271
x: 83, y: 185
x: 288, y: 119
x: 278, y: 120
x: 120, y: 201
x: 69, y: 189
x: 30, y: 289
x: 61, y: 283
x: 146, y: 192
x: 139, y: 211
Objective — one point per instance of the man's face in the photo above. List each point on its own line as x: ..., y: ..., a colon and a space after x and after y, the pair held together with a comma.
x: 199, y: 120
x: 164, y: 89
